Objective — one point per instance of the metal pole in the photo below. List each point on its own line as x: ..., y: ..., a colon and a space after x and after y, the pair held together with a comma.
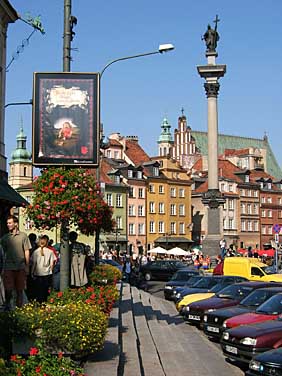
x: 64, y: 248
x: 67, y: 36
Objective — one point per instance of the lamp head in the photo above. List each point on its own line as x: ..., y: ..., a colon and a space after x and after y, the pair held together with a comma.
x: 165, y: 47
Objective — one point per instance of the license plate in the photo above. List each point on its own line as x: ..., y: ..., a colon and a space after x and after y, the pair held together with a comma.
x: 231, y: 349
x: 212, y: 329
x: 193, y: 317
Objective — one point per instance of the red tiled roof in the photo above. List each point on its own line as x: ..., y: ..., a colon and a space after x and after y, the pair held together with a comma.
x: 135, y: 153
x: 233, y: 152
x: 112, y: 142
x: 198, y: 166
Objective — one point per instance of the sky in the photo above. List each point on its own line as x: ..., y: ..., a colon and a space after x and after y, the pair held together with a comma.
x: 137, y: 94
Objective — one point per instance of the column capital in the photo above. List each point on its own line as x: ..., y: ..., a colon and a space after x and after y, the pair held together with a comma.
x: 212, y: 89
x: 213, y: 198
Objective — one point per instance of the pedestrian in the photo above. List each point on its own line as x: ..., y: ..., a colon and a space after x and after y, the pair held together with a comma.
x: 79, y: 259
x: 127, y: 269
x: 42, y: 264
x: 16, y: 247
x: 250, y: 253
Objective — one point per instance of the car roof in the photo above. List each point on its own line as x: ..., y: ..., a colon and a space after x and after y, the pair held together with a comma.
x: 255, y: 284
x: 277, y: 288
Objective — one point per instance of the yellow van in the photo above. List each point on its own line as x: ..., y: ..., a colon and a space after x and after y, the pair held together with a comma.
x: 250, y: 268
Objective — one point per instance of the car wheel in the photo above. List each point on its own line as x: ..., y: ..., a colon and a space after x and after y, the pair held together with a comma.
x: 148, y: 276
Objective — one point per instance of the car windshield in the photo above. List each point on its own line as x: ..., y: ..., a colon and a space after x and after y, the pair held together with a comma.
x: 218, y: 287
x: 256, y: 298
x: 272, y: 306
x: 206, y: 283
x: 193, y: 280
x: 269, y: 269
x: 234, y: 292
x: 182, y: 276
x: 177, y: 264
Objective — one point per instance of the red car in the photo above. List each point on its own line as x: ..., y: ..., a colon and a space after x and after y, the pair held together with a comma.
x: 269, y: 310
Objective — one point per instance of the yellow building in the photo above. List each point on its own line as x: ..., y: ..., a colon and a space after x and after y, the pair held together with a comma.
x: 169, y: 222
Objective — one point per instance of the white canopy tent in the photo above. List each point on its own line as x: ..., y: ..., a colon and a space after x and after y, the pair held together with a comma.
x: 158, y: 251
x: 177, y: 252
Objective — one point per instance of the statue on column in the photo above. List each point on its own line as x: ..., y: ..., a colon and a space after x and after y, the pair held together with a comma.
x: 211, y: 37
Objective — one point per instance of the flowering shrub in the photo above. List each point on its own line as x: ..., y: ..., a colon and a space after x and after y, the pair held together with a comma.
x: 69, y: 194
x: 40, y: 363
x: 100, y: 296
x: 73, y: 328
x: 102, y: 274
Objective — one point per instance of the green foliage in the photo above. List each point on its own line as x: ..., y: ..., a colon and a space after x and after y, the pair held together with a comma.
x: 69, y: 194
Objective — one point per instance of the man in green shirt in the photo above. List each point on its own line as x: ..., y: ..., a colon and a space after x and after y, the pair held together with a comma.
x: 16, y: 246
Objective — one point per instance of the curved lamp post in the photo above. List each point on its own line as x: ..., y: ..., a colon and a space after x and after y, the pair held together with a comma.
x: 162, y: 48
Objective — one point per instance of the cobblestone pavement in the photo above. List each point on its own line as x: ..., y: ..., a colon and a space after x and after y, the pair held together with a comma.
x: 146, y: 337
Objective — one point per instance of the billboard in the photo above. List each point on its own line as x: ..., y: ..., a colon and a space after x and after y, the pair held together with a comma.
x: 66, y: 121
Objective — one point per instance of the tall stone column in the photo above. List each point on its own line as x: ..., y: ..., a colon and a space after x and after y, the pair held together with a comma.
x: 212, y: 198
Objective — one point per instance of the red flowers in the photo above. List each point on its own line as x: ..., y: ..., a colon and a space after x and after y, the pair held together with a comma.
x: 33, y: 351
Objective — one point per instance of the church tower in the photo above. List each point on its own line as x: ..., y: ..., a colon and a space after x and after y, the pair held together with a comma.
x: 165, y: 140
x: 20, y: 166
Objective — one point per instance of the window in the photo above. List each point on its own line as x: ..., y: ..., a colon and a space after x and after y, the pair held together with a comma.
x: 131, y: 229
x: 181, y: 228
x: 152, y: 227
x: 231, y: 204
x: 181, y: 209
x: 131, y: 192
x: 243, y: 225
x: 243, y: 208
x: 279, y: 201
x: 118, y: 200
x: 262, y: 200
x: 130, y: 173
x: 24, y: 172
x: 161, y: 208
x: 249, y: 209
x: 109, y: 198
x: 151, y: 188
x: 249, y: 192
x: 279, y: 213
x: 161, y: 227
x: 263, y: 213
x: 256, y: 208
x: 263, y: 230
x: 269, y: 200
x: 172, y: 209
x: 270, y: 230
x: 224, y: 223
x: 172, y: 227
x: 247, y: 178
x: 250, y: 226
x: 256, y: 226
x: 161, y: 189
x: 117, y: 179
x: 131, y: 210
x: 152, y: 207
x: 109, y: 153
x: 269, y: 185
x: 119, y: 222
x: 155, y: 171
x: 230, y: 187
x: 141, y: 229
x: 115, y: 154
x: 139, y: 175
x: 222, y: 187
x: 269, y: 213
x: 255, y: 193
x: 231, y: 223
x: 172, y: 192
x: 242, y: 192
x: 140, y: 192
x: 181, y: 192
x: 224, y: 205
x: 141, y: 211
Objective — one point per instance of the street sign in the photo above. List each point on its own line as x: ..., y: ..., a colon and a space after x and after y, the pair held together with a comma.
x: 276, y: 238
x: 276, y: 228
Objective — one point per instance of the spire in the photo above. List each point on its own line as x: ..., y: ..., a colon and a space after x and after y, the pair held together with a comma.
x: 165, y: 135
x: 21, y: 154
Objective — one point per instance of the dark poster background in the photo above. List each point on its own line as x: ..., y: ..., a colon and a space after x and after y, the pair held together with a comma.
x: 65, y: 100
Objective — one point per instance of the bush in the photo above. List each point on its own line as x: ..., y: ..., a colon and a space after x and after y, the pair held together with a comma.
x: 41, y: 363
x: 76, y: 327
x: 105, y: 274
x: 100, y: 296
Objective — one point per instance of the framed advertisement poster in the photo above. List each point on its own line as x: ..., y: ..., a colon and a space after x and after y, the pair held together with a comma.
x: 66, y: 119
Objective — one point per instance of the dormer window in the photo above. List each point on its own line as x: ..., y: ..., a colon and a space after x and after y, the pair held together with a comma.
x: 155, y: 171
x: 130, y: 173
x: 117, y: 179
x: 261, y: 185
x: 247, y: 178
x: 268, y: 185
x: 139, y: 174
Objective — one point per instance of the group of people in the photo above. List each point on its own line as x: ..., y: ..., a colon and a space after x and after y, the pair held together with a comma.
x: 29, y: 264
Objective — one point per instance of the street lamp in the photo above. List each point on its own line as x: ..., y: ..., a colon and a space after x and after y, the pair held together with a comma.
x: 162, y: 48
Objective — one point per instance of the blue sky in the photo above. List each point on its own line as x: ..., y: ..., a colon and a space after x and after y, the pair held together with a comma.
x: 137, y: 94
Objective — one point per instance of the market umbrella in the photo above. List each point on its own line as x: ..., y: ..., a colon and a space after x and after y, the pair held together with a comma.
x: 158, y: 250
x: 177, y: 252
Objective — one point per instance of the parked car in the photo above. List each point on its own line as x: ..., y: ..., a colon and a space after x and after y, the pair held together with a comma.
x: 251, y: 268
x: 192, y: 281
x: 228, y: 297
x: 221, y: 283
x: 269, y: 310
x: 214, y: 322
x: 268, y: 363
x: 160, y: 269
x: 179, y: 279
x: 246, y: 341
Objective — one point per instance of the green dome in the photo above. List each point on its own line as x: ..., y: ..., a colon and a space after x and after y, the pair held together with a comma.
x: 21, y: 154
x: 165, y: 135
